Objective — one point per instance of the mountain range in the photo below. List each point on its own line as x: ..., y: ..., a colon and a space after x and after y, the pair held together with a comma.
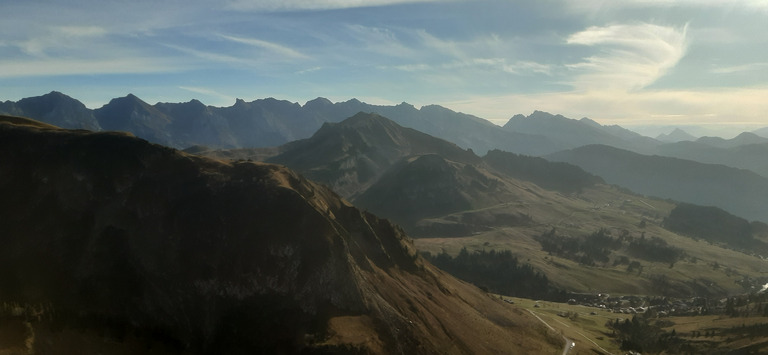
x: 249, y: 128
x: 115, y: 245
x: 745, y: 151
x: 569, y: 133
x: 261, y: 123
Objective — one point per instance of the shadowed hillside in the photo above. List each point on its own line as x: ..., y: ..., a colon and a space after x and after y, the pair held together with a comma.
x: 549, y: 175
x: 717, y: 226
x: 114, y: 245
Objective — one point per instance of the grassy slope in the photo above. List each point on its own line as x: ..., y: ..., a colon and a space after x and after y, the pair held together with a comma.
x: 611, y: 208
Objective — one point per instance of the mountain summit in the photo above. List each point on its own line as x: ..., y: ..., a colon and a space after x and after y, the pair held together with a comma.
x: 54, y: 108
x: 351, y: 155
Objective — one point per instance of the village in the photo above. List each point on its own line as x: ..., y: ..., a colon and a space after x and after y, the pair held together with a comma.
x: 659, y: 307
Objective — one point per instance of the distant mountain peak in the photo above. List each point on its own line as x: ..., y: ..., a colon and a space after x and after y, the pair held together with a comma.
x: 318, y: 102
x: 55, y: 108
x: 435, y: 108
x: 590, y: 122
x: 749, y: 138
x: 56, y: 94
x: 366, y: 118
x: 677, y: 135
x: 541, y: 115
x: 130, y: 98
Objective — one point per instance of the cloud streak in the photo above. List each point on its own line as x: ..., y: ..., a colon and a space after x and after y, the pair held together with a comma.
x: 209, y: 93
x: 79, y: 66
x: 281, y: 50
x: 293, y: 5
x: 740, y: 68
x: 630, y: 57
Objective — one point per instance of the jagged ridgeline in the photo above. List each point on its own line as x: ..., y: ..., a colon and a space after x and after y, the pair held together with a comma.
x: 110, y: 244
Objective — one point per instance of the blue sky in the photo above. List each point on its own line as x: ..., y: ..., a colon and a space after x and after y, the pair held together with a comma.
x: 629, y: 62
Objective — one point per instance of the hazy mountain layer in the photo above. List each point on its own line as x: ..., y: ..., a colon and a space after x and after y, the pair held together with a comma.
x: 676, y: 135
x: 742, y: 139
x: 748, y: 156
x: 568, y: 133
x: 740, y: 192
x: 116, y: 244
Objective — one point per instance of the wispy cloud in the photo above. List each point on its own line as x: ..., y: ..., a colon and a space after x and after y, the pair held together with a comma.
x: 309, y: 70
x: 79, y: 66
x: 58, y: 38
x: 594, y: 6
x: 740, y: 68
x: 489, y: 52
x: 281, y: 50
x: 526, y: 67
x: 292, y: 5
x: 629, y: 56
x: 380, y: 40
x: 211, y: 56
x: 209, y: 93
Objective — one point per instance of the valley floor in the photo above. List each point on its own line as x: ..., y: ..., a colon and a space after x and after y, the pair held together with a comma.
x: 589, y: 328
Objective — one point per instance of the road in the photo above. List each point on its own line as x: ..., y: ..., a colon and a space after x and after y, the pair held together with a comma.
x: 569, y: 344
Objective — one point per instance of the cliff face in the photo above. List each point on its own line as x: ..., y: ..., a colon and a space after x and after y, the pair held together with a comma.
x: 108, y: 242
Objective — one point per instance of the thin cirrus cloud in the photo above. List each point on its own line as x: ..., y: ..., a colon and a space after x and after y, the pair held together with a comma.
x: 382, y: 41
x: 52, y: 67
x: 291, y: 5
x: 59, y: 38
x: 740, y: 68
x: 275, y: 48
x: 489, y: 52
x: 603, y: 5
x: 630, y: 56
x: 208, y: 93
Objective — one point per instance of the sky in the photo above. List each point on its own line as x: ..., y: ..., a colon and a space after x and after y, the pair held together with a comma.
x: 636, y: 63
